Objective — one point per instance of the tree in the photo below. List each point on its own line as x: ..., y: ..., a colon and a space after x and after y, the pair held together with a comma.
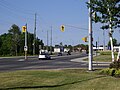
x: 15, y: 32
x: 5, y: 41
x: 114, y: 43
x: 108, y: 13
x: 61, y: 44
x: 12, y: 43
x: 39, y: 42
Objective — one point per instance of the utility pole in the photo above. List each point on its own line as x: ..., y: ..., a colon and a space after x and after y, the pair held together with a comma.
x: 25, y: 47
x: 34, y: 36
x: 103, y: 40
x: 51, y: 42
x: 47, y: 40
x: 90, y: 40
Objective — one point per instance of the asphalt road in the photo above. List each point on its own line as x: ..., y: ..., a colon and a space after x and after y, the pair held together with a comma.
x: 58, y: 62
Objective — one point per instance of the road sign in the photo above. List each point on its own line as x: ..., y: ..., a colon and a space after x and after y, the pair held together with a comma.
x: 25, y: 48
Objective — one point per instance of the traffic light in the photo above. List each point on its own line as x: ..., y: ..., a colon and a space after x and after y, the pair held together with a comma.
x: 62, y: 28
x: 85, y: 39
x: 24, y: 28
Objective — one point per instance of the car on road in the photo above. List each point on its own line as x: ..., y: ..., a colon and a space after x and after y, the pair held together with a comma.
x: 68, y: 53
x: 59, y: 54
x: 44, y: 55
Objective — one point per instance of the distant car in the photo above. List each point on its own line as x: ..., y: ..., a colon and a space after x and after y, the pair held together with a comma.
x: 59, y: 54
x: 68, y: 53
x: 44, y: 55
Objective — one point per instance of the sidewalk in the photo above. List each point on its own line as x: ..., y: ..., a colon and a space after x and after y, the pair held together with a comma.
x: 94, y: 62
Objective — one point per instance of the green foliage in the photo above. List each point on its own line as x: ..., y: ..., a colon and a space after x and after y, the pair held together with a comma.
x: 5, y: 46
x: 113, y: 70
x: 82, y: 46
x: 114, y: 43
x: 115, y: 65
x: 107, y: 71
x: 110, y: 72
x: 15, y: 34
x: 12, y: 43
x: 107, y: 11
x: 117, y: 73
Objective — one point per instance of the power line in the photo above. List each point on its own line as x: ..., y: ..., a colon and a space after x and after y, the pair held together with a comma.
x: 16, y: 8
x: 76, y: 27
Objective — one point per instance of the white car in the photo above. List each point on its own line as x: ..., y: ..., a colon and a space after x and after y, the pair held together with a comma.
x: 44, y: 55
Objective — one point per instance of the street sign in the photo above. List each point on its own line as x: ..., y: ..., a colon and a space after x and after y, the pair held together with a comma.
x: 25, y: 48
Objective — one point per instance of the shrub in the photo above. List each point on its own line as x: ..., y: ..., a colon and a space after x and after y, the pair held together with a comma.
x: 104, y: 71
x: 115, y: 65
x: 117, y: 73
x: 108, y: 71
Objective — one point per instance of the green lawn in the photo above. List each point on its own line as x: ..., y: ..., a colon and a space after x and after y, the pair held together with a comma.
x: 102, y: 58
x: 77, y: 79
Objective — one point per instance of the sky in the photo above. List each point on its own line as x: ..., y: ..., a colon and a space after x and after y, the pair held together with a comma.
x: 51, y: 14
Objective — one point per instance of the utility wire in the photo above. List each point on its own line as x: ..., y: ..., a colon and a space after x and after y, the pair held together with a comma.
x: 16, y: 8
x: 14, y: 12
x: 76, y: 27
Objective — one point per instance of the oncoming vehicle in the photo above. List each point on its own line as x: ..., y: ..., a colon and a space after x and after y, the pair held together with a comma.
x: 68, y: 53
x: 44, y: 55
x: 59, y: 54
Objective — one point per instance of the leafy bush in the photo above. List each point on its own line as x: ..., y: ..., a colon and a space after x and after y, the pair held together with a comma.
x: 113, y: 70
x: 115, y: 65
x: 110, y: 72
x: 103, y: 71
x: 117, y: 73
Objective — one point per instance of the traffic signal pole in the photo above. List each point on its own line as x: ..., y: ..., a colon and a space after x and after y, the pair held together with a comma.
x: 90, y: 67
x: 25, y: 48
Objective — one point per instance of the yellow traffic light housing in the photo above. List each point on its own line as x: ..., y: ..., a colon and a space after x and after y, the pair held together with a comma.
x: 24, y: 28
x: 62, y: 28
x: 85, y: 39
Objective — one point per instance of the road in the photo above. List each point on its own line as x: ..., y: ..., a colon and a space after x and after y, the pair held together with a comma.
x: 58, y: 62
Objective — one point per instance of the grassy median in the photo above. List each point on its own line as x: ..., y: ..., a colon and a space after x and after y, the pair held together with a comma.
x: 103, y: 56
x: 76, y: 79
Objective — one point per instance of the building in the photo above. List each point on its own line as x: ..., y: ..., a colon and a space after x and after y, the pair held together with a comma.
x: 58, y: 49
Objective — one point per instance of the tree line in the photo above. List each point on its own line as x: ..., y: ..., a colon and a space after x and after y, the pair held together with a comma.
x: 12, y: 43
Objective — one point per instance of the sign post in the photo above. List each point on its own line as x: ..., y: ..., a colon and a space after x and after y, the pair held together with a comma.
x: 24, y: 29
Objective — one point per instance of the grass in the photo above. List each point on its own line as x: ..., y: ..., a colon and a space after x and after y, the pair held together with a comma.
x: 70, y: 79
x: 102, y: 58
